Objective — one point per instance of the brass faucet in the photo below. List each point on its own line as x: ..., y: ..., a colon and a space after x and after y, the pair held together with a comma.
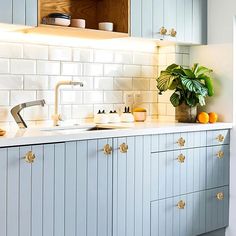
x: 57, y: 117
x: 15, y: 111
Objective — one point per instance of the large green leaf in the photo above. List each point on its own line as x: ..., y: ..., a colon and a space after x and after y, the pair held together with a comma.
x: 201, y: 100
x: 189, y: 73
x: 194, y: 85
x: 165, y: 80
x: 201, y: 70
x: 172, y: 67
x: 175, y: 99
x: 209, y: 84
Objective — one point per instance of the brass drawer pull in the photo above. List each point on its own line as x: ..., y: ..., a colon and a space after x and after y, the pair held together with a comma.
x: 220, y: 196
x: 181, y: 142
x: 163, y: 31
x: 124, y: 148
x: 181, y: 204
x: 220, y: 138
x: 107, y: 149
x: 30, y: 157
x: 220, y: 155
x: 181, y: 158
x: 173, y: 32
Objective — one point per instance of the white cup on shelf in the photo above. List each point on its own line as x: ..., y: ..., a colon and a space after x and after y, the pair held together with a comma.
x: 78, y: 23
x: 106, y: 26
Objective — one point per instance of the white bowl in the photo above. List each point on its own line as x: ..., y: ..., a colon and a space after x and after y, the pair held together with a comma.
x: 57, y: 21
x: 106, y: 26
x: 79, y: 23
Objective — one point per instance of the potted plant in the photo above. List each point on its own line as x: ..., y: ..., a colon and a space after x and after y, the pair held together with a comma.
x: 190, y: 86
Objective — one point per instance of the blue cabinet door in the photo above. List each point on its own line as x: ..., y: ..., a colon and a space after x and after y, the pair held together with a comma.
x: 21, y: 12
x: 131, y: 193
x: 179, y: 216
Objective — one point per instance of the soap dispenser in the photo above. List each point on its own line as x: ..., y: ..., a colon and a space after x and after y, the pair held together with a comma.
x: 101, y: 117
x: 114, y: 117
x: 127, y: 116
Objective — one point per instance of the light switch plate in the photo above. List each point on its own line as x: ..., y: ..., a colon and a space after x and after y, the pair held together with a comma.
x: 129, y: 99
x: 138, y: 98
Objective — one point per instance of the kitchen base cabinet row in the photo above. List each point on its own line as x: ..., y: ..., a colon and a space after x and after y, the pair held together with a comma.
x: 116, y: 186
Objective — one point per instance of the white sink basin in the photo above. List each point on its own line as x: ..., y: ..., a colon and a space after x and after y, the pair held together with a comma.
x: 71, y: 127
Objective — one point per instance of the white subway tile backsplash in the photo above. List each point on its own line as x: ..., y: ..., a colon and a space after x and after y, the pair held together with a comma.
x: 71, y: 68
x: 4, y: 66
x: 31, y: 71
x: 123, y: 84
x: 11, y: 82
x: 22, y: 96
x: 60, y: 53
x: 93, y: 97
x: 93, y: 69
x: 32, y: 51
x: 35, y: 82
x: 103, y: 83
x: 113, y: 70
x: 113, y: 97
x: 103, y: 56
x: 48, y: 68
x: 11, y: 50
x: 23, y: 67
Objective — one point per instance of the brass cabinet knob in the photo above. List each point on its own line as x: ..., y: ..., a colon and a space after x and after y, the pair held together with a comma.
x: 173, y: 32
x: 220, y: 196
x: 124, y: 148
x: 181, y: 204
x: 107, y: 149
x: 181, y: 142
x: 220, y: 138
x: 163, y: 31
x: 220, y: 155
x: 30, y: 157
x: 181, y: 158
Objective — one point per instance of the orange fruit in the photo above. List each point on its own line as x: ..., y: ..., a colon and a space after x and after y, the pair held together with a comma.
x: 203, y: 117
x: 213, y: 117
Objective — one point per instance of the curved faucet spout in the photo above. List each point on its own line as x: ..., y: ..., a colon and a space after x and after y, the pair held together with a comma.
x: 15, y: 111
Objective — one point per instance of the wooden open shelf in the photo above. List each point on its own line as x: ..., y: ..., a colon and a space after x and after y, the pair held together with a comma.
x: 93, y: 11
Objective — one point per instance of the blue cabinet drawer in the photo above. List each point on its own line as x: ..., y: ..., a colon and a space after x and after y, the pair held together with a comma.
x: 167, y: 142
x: 218, y: 137
x: 177, y: 172
x: 217, y: 166
x: 217, y: 208
x: 179, y: 216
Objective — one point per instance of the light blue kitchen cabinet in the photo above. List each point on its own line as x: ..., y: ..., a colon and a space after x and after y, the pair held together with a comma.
x: 179, y: 216
x: 22, y: 12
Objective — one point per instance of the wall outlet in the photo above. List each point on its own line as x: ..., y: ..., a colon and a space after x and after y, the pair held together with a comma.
x: 138, y: 98
x: 129, y: 99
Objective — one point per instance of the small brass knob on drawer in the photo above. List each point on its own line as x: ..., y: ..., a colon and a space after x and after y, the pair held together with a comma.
x: 220, y: 196
x: 163, y: 31
x: 30, y: 157
x: 181, y: 142
x: 220, y: 138
x: 124, y: 148
x: 181, y: 158
x: 220, y: 155
x: 181, y: 204
x: 107, y: 149
x: 173, y: 32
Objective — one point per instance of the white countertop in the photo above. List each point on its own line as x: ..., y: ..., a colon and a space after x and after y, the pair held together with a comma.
x: 33, y: 136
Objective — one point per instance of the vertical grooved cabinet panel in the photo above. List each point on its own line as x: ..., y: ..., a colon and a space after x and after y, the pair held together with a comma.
x: 170, y: 177
x: 3, y: 190
x: 180, y: 24
x: 147, y: 18
x: 217, y: 211
x: 25, y: 194
x: 188, y: 22
x: 217, y: 168
x: 213, y: 137
x: 37, y: 192
x: 19, y: 13
x: 136, y: 18
x: 31, y: 12
x: 131, y: 205
x: 59, y: 189
x: 48, y: 189
x: 6, y: 11
x: 168, y: 220
x: 70, y: 189
x: 13, y: 191
x: 199, y: 21
x: 158, y: 18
